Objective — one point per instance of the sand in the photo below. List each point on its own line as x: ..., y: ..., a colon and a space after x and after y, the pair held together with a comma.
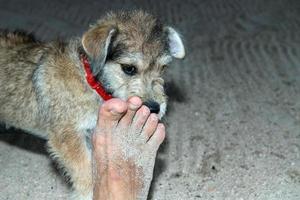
x: 233, y: 121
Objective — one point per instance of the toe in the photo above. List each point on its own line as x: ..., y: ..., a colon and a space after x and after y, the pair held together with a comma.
x: 158, y: 136
x: 150, y: 126
x: 134, y: 103
x: 140, y: 119
x: 110, y: 113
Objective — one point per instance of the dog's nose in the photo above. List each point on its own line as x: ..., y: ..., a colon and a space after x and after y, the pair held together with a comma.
x: 153, y: 106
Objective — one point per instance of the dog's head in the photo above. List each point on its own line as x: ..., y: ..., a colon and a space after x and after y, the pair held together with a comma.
x: 129, y: 52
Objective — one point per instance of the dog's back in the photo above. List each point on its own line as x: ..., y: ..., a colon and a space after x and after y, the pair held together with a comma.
x: 14, y: 39
x: 19, y: 55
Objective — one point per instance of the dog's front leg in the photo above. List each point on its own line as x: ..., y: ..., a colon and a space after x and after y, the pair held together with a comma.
x: 69, y: 149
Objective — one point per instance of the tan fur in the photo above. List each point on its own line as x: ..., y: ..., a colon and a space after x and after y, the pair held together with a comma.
x: 43, y: 88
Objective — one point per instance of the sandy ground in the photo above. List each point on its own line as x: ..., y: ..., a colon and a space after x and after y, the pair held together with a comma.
x: 234, y: 113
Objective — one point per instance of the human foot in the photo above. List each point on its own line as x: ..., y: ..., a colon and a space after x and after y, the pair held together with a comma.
x: 125, y: 143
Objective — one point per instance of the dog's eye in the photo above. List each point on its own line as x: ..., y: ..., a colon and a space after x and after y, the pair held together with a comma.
x: 129, y: 69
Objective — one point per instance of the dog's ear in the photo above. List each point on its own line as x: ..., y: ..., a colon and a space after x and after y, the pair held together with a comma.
x: 175, y: 44
x: 96, y: 42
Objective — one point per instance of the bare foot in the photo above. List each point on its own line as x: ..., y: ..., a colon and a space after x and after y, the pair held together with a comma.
x: 125, y: 143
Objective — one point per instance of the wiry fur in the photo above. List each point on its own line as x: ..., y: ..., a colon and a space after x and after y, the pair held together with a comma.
x: 44, y: 91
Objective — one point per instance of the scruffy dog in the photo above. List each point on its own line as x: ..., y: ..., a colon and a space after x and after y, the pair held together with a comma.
x: 54, y: 90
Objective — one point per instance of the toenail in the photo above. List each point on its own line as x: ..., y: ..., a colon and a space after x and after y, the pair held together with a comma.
x: 153, y: 117
x: 133, y: 106
x: 145, y: 111
x: 115, y: 112
x: 134, y: 103
x: 161, y: 127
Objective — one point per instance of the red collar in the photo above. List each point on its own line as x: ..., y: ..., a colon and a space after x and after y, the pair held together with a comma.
x: 92, y: 81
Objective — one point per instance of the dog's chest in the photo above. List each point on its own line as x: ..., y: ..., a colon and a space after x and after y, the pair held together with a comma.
x: 86, y: 126
x: 87, y: 123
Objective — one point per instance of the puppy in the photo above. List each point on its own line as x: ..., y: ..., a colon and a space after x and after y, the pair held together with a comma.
x: 54, y: 89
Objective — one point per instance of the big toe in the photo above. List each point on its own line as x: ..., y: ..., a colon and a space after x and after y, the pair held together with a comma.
x: 110, y: 113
